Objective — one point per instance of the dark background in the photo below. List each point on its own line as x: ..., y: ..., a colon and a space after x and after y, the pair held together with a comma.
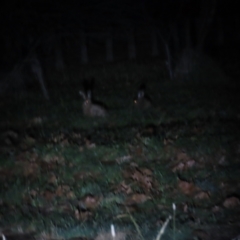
x: 36, y: 27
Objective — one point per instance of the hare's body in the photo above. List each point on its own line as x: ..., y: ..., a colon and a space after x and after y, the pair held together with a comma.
x: 142, y: 102
x: 90, y: 109
x: 93, y: 110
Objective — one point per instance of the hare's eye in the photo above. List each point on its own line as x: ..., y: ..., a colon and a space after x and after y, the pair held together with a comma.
x: 135, y: 101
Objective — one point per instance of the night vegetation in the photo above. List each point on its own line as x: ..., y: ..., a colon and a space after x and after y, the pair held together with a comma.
x: 156, y: 147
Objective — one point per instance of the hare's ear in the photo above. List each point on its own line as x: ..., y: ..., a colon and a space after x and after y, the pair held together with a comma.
x: 141, y: 94
x: 82, y: 94
x: 89, y: 94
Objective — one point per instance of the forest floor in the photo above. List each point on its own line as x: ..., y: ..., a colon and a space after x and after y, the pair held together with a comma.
x: 67, y: 176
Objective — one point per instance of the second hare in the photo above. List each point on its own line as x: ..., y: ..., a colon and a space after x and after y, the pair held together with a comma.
x: 91, y: 109
x: 142, y: 101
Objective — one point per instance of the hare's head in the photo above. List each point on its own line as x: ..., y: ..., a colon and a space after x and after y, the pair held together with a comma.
x: 142, y: 101
x: 87, y: 102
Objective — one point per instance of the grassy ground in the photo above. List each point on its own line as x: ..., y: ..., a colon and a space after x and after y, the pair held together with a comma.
x: 64, y: 175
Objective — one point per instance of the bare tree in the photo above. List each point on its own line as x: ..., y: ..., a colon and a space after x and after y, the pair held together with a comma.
x: 154, y: 42
x: 37, y: 70
x: 109, y: 46
x: 204, y: 22
x: 131, y: 44
x: 84, y: 52
x: 59, y: 62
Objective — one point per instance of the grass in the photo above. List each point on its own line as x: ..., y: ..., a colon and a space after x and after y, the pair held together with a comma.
x: 69, y: 175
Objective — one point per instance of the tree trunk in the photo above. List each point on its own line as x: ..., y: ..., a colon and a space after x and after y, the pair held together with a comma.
x: 59, y: 63
x: 204, y: 22
x: 188, y: 39
x: 37, y: 70
x: 155, y: 50
x: 84, y: 52
x: 109, y: 47
x: 131, y: 44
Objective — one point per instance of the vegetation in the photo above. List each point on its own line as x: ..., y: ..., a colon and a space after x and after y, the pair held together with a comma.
x: 63, y: 175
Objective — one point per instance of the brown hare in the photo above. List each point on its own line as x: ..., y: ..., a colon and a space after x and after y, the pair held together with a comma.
x: 91, y: 109
x: 142, y: 102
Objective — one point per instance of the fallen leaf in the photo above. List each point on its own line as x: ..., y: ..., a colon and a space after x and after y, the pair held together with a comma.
x: 187, y: 187
x: 146, y: 171
x: 89, y: 202
x: 30, y: 169
x: 65, y: 208
x: 183, y: 161
x: 62, y: 190
x: 185, y: 208
x: 216, y: 209
x: 82, y: 215
x: 53, y: 179
x: 137, y: 176
x: 48, y: 195
x: 202, y: 195
x: 35, y: 121
x: 167, y: 141
x: 70, y: 195
x: 222, y: 161
x: 89, y: 144
x: 179, y: 167
x: 28, y: 142
x: 231, y: 202
x: 123, y: 187
x: 9, y: 137
x: 137, y: 198
x: 83, y: 175
x: 182, y: 156
x: 190, y: 163
x: 64, y: 143
x: 53, y: 159
x: 123, y: 159
x: 33, y: 193
x: 145, y: 181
